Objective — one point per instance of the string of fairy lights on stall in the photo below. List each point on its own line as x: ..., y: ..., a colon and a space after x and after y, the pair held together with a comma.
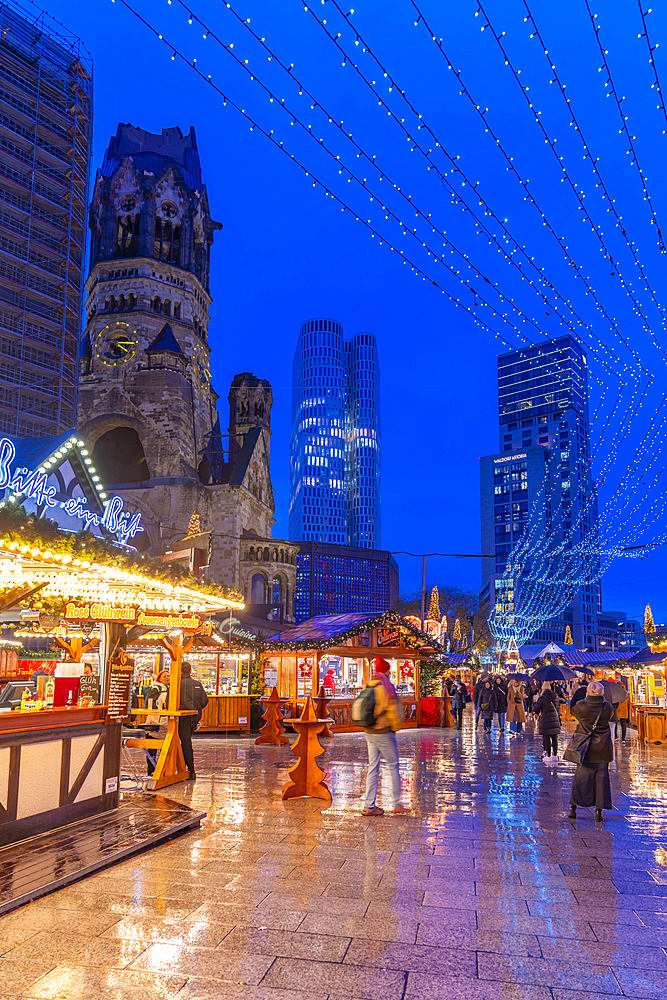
x: 629, y: 372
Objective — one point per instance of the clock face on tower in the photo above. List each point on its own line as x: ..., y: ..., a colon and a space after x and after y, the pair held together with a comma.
x: 200, y: 367
x: 116, y: 344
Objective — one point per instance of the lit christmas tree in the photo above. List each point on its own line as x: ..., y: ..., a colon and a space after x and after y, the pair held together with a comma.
x: 194, y: 528
x: 568, y: 636
x: 456, y: 634
x: 443, y: 624
x: 434, y: 607
x: 649, y: 624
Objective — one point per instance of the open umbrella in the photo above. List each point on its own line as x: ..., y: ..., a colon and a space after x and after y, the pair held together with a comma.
x: 553, y: 672
x: 518, y: 677
x: 613, y: 692
x: 585, y: 670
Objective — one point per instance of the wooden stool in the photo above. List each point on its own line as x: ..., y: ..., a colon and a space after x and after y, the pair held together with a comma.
x: 306, y: 775
x: 273, y: 730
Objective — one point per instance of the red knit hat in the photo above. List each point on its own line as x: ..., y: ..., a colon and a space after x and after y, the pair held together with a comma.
x: 381, y: 666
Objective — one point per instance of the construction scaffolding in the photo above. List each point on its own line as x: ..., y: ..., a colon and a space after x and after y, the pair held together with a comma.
x: 46, y: 92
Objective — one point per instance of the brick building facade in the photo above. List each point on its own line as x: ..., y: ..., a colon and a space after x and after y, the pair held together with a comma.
x: 147, y: 409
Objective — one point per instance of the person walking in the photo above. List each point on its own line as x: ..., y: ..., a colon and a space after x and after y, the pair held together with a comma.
x: 459, y: 703
x: 478, y: 687
x: 487, y: 701
x: 516, y: 715
x: 547, y: 707
x: 579, y: 693
x: 500, y: 689
x: 622, y: 715
x: 193, y: 698
x: 530, y: 696
x: 591, y: 785
x: 381, y: 741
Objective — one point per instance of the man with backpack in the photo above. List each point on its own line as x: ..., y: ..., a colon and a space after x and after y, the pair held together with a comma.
x: 380, y: 711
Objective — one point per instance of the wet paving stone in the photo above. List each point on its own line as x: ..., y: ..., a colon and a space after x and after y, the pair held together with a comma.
x: 484, y: 891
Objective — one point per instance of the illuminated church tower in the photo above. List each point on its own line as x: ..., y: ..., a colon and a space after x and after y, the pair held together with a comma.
x: 147, y: 409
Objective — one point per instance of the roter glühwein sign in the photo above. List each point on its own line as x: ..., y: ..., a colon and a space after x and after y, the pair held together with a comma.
x: 128, y: 615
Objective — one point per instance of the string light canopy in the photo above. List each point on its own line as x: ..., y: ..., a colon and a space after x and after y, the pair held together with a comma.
x: 547, y: 566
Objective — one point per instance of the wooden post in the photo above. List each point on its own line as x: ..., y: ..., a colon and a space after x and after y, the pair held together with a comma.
x: 321, y: 703
x: 170, y: 767
x: 306, y: 776
x: 273, y: 730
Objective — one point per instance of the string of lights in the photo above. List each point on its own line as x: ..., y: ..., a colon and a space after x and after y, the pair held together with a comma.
x: 594, y: 165
x: 651, y: 49
x: 624, y: 122
x: 341, y: 165
x: 316, y: 182
x: 511, y: 167
x: 578, y: 193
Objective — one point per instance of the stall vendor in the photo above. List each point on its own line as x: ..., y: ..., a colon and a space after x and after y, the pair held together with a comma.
x: 330, y: 682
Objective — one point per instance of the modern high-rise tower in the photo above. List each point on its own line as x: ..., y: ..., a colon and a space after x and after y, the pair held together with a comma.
x: 543, y: 471
x: 46, y: 93
x: 335, y: 453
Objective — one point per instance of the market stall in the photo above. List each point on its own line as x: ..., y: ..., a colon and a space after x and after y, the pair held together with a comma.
x: 645, y: 677
x: 336, y: 652
x: 62, y: 763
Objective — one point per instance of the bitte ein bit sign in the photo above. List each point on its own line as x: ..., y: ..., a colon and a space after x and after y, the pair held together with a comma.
x: 33, y: 485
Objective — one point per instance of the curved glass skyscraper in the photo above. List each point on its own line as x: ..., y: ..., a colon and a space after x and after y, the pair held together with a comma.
x: 335, y: 453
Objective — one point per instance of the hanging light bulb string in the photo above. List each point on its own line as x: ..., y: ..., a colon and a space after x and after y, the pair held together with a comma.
x: 373, y: 195
x: 594, y: 164
x: 268, y: 134
x: 624, y: 120
x: 578, y: 194
x: 466, y: 181
x: 651, y: 49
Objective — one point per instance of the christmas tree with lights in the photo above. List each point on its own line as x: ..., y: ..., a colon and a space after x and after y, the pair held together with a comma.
x: 649, y: 624
x: 456, y: 634
x: 434, y: 607
x: 194, y: 528
x: 568, y: 636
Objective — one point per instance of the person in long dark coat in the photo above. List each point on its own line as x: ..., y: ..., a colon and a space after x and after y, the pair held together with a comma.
x: 579, y: 694
x: 488, y: 704
x: 459, y: 703
x: 591, y: 785
x: 530, y: 696
x: 478, y: 687
x: 500, y: 689
x: 547, y: 707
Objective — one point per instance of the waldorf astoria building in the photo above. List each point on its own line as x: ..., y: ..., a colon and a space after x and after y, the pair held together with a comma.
x: 544, y: 438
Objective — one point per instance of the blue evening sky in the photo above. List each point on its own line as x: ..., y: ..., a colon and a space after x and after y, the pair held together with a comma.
x: 287, y: 252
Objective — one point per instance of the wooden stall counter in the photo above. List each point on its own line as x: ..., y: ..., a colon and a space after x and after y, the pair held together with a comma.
x: 226, y: 713
x: 56, y: 767
x: 651, y: 723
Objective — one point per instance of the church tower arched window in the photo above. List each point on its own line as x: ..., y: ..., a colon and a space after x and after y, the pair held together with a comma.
x: 127, y: 238
x: 167, y: 235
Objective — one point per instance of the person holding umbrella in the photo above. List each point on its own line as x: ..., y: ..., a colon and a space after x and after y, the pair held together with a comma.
x: 591, y: 785
x: 548, y: 707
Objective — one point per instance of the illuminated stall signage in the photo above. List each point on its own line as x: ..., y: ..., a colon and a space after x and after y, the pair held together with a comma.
x: 129, y: 615
x: 389, y: 636
x: 32, y: 485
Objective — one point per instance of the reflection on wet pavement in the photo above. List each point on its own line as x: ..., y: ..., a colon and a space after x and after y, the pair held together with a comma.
x: 486, y: 891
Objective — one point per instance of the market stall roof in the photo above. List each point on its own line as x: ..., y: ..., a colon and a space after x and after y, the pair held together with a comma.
x: 330, y: 630
x: 573, y: 657
x: 646, y: 657
x: 41, y: 564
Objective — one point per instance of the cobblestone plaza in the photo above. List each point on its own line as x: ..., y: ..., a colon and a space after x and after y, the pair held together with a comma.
x: 485, y: 890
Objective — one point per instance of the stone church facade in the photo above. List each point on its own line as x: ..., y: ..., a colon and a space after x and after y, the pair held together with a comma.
x: 147, y: 409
